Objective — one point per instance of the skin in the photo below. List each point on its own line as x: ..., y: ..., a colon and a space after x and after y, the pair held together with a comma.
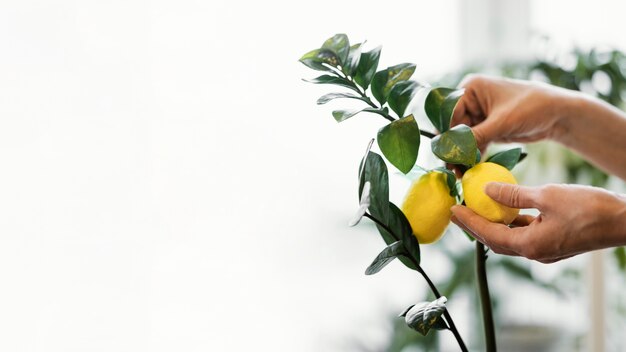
x: 573, y: 219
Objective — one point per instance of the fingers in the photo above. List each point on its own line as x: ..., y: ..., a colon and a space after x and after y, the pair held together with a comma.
x: 499, y: 237
x: 513, y: 196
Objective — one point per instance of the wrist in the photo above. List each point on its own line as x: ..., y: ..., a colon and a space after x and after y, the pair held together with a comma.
x: 569, y: 110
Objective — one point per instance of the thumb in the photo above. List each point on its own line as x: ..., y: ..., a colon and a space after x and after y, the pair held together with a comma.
x: 513, y: 196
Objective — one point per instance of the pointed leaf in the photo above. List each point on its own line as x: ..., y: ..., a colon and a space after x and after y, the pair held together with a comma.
x: 340, y: 45
x: 353, y: 60
x: 400, y: 141
x: 367, y: 67
x: 448, y: 106
x: 401, y: 95
x: 362, y: 164
x: 384, y: 80
x: 439, y: 106
x: 385, y: 257
x: 402, y: 231
x: 508, y: 158
x: 328, y: 79
x: 342, y: 115
x: 375, y: 171
x: 331, y: 96
x: 316, y: 58
x: 456, y: 146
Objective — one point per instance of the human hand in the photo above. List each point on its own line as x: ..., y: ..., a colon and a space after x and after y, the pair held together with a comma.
x: 574, y: 219
x: 505, y: 110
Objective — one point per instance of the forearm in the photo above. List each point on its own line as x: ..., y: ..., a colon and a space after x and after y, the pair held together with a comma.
x: 596, y: 130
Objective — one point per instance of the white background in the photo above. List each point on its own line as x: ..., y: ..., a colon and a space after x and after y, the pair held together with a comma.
x: 167, y: 182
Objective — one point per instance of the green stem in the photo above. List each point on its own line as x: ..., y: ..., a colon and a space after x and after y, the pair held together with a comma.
x: 379, y: 109
x: 432, y: 286
x: 485, y: 299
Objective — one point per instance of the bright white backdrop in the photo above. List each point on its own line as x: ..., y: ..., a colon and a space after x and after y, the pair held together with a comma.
x: 169, y: 184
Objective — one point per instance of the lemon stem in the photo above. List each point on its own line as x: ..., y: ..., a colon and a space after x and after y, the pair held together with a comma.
x: 432, y: 286
x: 485, y: 298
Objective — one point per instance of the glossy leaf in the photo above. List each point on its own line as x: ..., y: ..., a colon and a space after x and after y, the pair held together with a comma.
x: 340, y: 45
x: 375, y: 171
x: 363, y: 205
x: 331, y: 96
x: 508, y: 158
x: 384, y: 80
x: 342, y: 115
x: 456, y: 146
x: 448, y: 106
x: 316, y: 59
x: 363, y: 161
x: 424, y: 316
x: 439, y: 106
x: 402, y: 231
x: 328, y: 79
x: 401, y: 95
x: 353, y: 60
x: 400, y: 141
x: 385, y: 257
x: 367, y: 67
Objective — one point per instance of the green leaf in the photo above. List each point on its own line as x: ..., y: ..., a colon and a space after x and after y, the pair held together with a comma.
x: 353, y: 60
x: 331, y: 96
x: 342, y: 115
x: 450, y: 180
x: 401, y: 95
x: 400, y: 141
x: 402, y: 231
x: 448, y: 106
x: 375, y: 171
x: 385, y: 257
x: 426, y: 315
x: 316, y: 58
x: 367, y: 67
x: 439, y: 106
x: 508, y: 158
x: 384, y: 80
x: 456, y: 146
x: 340, y: 45
x: 363, y: 161
x: 328, y: 79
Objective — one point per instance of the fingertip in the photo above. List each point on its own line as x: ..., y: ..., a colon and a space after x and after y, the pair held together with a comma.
x: 493, y: 188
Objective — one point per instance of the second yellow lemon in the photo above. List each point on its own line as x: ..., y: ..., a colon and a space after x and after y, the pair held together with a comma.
x: 427, y: 206
x: 474, y: 182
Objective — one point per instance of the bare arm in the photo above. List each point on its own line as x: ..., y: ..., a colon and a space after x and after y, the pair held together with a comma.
x: 504, y: 110
x: 597, y: 131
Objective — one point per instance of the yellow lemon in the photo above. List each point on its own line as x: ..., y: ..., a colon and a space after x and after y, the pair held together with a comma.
x: 427, y: 206
x: 474, y: 182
